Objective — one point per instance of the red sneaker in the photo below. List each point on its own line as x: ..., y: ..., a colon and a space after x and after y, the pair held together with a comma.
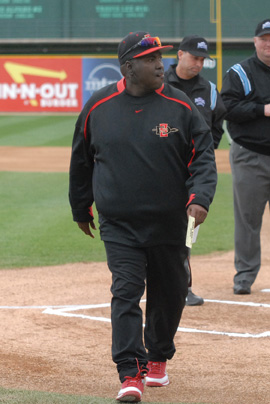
x: 157, y: 375
x: 132, y: 388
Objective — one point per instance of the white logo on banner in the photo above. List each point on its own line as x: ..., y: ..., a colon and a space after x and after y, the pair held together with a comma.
x: 97, y: 79
x: 51, y: 95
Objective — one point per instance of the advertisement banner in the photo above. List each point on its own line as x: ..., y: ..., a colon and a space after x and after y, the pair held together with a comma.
x: 98, y: 73
x: 55, y: 84
x: 40, y: 84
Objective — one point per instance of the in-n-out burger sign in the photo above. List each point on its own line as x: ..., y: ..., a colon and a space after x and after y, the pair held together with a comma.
x: 38, y: 84
x: 51, y: 95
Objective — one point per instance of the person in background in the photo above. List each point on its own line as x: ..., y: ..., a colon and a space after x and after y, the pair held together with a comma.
x: 246, y: 95
x: 144, y: 154
x: 185, y: 75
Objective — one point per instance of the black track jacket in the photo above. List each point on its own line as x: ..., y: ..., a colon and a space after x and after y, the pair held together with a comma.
x: 205, y: 96
x: 245, y: 91
x: 142, y: 160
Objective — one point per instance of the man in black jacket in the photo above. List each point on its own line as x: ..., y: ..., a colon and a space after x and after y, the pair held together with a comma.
x: 246, y: 95
x: 185, y: 75
x: 143, y: 153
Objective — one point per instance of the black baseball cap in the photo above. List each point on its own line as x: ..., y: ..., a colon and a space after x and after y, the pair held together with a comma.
x: 196, y: 45
x: 137, y: 44
x: 263, y: 28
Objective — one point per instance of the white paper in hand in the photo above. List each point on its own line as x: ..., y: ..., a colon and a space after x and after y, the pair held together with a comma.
x: 190, y: 231
x: 195, y: 234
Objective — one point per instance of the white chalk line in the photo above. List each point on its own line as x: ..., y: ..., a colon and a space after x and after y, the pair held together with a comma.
x: 35, y: 307
x: 73, y: 307
x: 68, y: 311
x: 229, y: 334
x: 250, y: 304
x: 63, y: 312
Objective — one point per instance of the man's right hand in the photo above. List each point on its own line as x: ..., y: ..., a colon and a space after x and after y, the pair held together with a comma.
x: 85, y: 227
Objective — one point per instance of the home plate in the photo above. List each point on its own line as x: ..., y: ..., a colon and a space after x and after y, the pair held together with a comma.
x: 265, y: 290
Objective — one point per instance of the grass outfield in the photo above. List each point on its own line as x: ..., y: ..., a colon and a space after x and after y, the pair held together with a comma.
x: 36, y: 222
x: 36, y: 130
x: 34, y: 397
x: 37, y: 227
x: 45, y: 130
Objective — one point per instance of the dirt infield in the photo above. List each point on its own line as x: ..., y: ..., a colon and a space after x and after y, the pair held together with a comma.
x: 57, y: 159
x: 55, y: 332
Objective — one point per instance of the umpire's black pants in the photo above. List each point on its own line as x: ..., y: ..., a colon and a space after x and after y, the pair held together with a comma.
x: 162, y: 269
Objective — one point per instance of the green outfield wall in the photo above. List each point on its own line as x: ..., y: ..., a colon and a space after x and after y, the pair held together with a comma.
x: 108, y: 19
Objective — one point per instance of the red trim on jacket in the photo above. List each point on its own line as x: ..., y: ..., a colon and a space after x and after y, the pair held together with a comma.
x: 159, y: 91
x: 90, y: 211
x: 192, y: 196
x: 193, y: 154
x: 120, y: 87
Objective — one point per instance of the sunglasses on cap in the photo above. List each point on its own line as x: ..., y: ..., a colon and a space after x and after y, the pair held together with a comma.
x: 145, y: 42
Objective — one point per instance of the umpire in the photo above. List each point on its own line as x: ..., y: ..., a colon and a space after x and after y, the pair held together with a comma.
x: 185, y: 75
x: 246, y: 94
x: 143, y: 154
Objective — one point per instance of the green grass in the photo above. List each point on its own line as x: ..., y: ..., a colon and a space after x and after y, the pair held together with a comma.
x: 46, y: 130
x: 36, y: 130
x: 217, y: 232
x: 35, y: 217
x: 37, y: 227
x: 8, y: 396
x: 36, y: 223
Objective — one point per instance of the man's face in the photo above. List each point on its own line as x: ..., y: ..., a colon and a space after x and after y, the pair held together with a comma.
x: 262, y: 45
x: 147, y: 72
x: 189, y: 65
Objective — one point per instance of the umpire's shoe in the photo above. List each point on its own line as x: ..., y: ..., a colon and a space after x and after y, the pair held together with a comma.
x: 242, y: 288
x: 193, y: 300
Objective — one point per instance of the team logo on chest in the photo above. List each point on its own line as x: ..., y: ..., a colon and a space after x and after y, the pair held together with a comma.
x: 163, y: 130
x: 199, y: 101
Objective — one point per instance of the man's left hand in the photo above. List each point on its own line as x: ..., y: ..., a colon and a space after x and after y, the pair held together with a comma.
x: 197, y: 211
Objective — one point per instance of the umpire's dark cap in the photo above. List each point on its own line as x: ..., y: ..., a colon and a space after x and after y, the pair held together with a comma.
x: 196, y: 45
x: 263, y: 28
x: 130, y: 47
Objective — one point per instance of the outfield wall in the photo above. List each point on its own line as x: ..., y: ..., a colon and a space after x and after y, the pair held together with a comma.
x: 108, y: 19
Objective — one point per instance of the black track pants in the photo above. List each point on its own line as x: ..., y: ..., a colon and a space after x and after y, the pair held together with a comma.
x: 162, y: 270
